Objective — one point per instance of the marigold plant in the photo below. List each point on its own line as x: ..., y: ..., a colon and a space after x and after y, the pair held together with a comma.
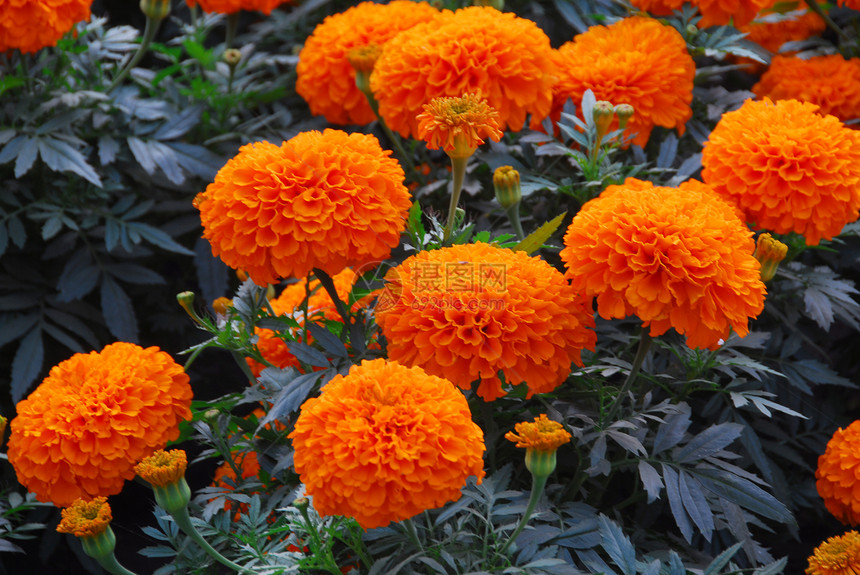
x: 326, y: 79
x: 837, y: 474
x: 323, y: 200
x: 788, y: 168
x: 831, y: 82
x: 80, y: 433
x: 30, y: 25
x: 467, y: 312
x: 475, y: 50
x: 674, y: 257
x: 458, y: 125
x: 386, y: 442
x: 233, y: 6
x: 636, y: 61
x: 838, y: 555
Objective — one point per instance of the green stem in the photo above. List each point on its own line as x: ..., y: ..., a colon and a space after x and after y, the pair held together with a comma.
x: 317, y: 543
x: 843, y: 37
x: 538, y: 483
x: 232, y: 27
x: 183, y: 520
x: 148, y: 35
x: 111, y: 565
x: 644, y: 345
x: 458, y: 166
x: 514, y: 217
x: 25, y: 66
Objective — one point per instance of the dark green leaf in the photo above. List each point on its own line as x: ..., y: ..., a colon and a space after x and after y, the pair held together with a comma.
x: 27, y: 363
x: 617, y: 545
x: 670, y: 433
x: 708, y: 442
x: 79, y: 277
x: 62, y: 157
x: 650, y: 480
x: 722, y: 560
x: 62, y: 337
x: 307, y: 354
x: 17, y: 231
x: 673, y: 492
x: 118, y: 311
x: 27, y: 154
x: 327, y: 340
x: 158, y: 237
x: 745, y: 493
x: 14, y: 328
x: 213, y: 276
x: 133, y: 273
x: 696, y: 505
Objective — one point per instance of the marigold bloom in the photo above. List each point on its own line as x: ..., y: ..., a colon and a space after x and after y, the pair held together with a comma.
x: 81, y: 431
x: 675, y: 257
x: 831, y: 82
x: 326, y: 77
x: 467, y: 312
x: 320, y: 200
x: 30, y: 25
x: 636, y: 61
x: 838, y: 555
x: 786, y: 167
x: 771, y: 31
x: 233, y: 6
x: 86, y: 518
x: 386, y: 442
x: 163, y: 467
x: 838, y: 469
x: 542, y: 434
x: 458, y: 125
x: 714, y: 12
x: 475, y: 50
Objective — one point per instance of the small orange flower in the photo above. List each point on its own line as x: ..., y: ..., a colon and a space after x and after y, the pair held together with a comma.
x: 636, y: 61
x: 475, y: 50
x: 386, y: 442
x: 30, y: 25
x: 542, y: 434
x: 769, y: 251
x: 163, y: 468
x: 675, y: 257
x: 458, y: 125
x: 320, y: 200
x: 86, y: 518
x: 467, y: 312
x: 838, y: 469
x: 326, y: 77
x: 788, y: 168
x: 714, y: 12
x: 233, y: 6
x: 838, y: 555
x: 831, y: 82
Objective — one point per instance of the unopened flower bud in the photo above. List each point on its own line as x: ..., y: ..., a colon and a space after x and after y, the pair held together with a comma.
x: 156, y: 10
x: 624, y: 113
x: 363, y: 59
x: 769, y: 252
x: 232, y: 57
x: 602, y: 113
x: 506, y: 182
x: 301, y: 503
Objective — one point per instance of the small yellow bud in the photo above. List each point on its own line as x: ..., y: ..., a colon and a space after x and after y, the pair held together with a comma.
x: 769, y: 252
x: 155, y: 9
x: 624, y: 113
x: 506, y: 181
x: 603, y: 113
x: 232, y: 57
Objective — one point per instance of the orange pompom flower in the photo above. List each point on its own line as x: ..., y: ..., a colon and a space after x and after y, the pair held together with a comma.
x: 320, y: 200
x: 326, y: 78
x: 636, y: 61
x: 541, y: 439
x: 30, y: 25
x: 786, y: 167
x: 386, y: 442
x: 86, y: 518
x: 838, y: 555
x: 458, y: 125
x: 831, y: 82
x: 675, y: 257
x: 714, y: 12
x: 163, y: 468
x: 80, y: 433
x: 475, y: 50
x: 233, y: 6
x: 467, y: 312
x: 838, y: 472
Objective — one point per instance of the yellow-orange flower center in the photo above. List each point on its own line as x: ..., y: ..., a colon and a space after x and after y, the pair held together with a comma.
x: 86, y: 518
x: 837, y: 556
x: 163, y: 468
x: 458, y: 125
x: 363, y: 58
x: 542, y: 434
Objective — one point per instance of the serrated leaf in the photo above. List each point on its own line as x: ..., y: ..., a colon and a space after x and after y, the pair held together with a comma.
x: 744, y: 493
x: 179, y: 125
x: 722, y: 560
x: 536, y: 239
x: 108, y: 149
x: 158, y: 237
x: 79, y: 276
x: 668, y: 151
x: 617, y: 545
x: 327, y: 340
x: 14, y: 328
x: 696, y: 504
x: 676, y: 504
x: 27, y: 363
x: 52, y: 227
x: 307, y: 354
x: 19, y: 300
x: 708, y: 442
x: 73, y: 324
x: 17, y: 232
x: 61, y: 157
x: 213, y: 276
x: 62, y: 337
x: 628, y: 442
x: 27, y: 154
x: 651, y: 480
x: 676, y: 566
x: 133, y: 273
x: 818, y: 308
x: 670, y: 433
x: 142, y: 154
x: 118, y: 311
x: 774, y: 568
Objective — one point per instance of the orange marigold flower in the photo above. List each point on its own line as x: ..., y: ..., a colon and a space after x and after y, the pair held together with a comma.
x: 786, y: 167
x: 163, y: 468
x: 542, y: 434
x: 320, y: 200
x: 248, y: 464
x: 674, y: 257
x: 771, y: 31
x: 458, y: 125
x: 831, y: 82
x: 475, y: 50
x: 838, y: 555
x: 467, y: 312
x: 326, y: 78
x: 636, y: 61
x: 714, y: 12
x: 386, y: 442
x: 86, y: 518
x: 837, y: 473
x: 81, y: 431
x: 30, y: 25
x: 233, y: 6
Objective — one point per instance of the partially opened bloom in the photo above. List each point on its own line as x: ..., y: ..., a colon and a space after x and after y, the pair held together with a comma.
x: 636, y: 61
x: 320, y: 200
x: 838, y: 555
x: 386, y: 442
x: 86, y: 518
x: 468, y: 312
x: 714, y: 12
x: 30, y: 25
x: 325, y: 74
x: 769, y: 251
x: 831, y: 82
x: 838, y: 472
x: 788, y: 168
x: 475, y: 50
x: 458, y: 125
x: 541, y: 438
x: 675, y: 257
x: 165, y: 473
x: 80, y: 433
x: 234, y: 6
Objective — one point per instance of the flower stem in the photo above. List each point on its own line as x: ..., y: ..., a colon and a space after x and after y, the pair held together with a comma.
x: 538, y: 483
x: 458, y: 166
x: 813, y: 4
x: 641, y: 352
x: 111, y: 565
x: 514, y: 217
x: 183, y: 520
x: 148, y: 35
x: 232, y: 26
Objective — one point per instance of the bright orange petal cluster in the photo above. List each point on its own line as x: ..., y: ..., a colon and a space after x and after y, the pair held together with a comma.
x: 542, y: 434
x: 675, y: 257
x: 386, y: 442
x: 233, y: 6
x: 80, y: 433
x: 838, y: 555
x: 319, y: 200
x: 248, y: 464
x: 163, y: 468
x: 289, y: 303
x: 772, y: 31
x: 30, y: 25
x: 475, y: 50
x: 86, y: 518
x: 838, y: 474
x: 326, y: 79
x: 458, y: 125
x: 467, y: 312
x: 636, y: 61
x: 788, y: 168
x: 714, y: 12
x: 831, y: 82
